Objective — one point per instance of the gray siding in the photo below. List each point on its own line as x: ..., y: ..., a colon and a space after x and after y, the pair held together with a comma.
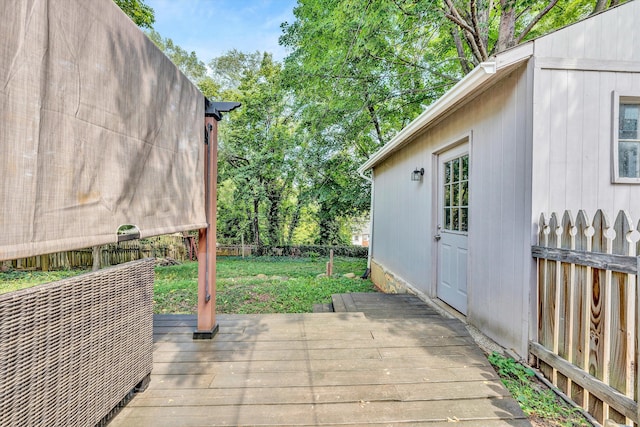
x: 499, y: 208
x: 610, y: 36
x: 541, y: 142
x: 573, y: 143
x: 577, y: 69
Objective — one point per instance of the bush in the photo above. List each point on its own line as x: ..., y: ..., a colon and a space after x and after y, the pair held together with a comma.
x: 313, y: 251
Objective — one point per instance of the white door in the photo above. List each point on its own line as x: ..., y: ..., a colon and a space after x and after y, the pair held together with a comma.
x: 453, y: 226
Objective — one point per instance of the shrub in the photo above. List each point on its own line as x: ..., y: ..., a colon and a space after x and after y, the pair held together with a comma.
x: 313, y: 251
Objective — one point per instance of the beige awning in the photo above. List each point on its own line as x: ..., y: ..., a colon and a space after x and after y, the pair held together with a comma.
x: 98, y: 129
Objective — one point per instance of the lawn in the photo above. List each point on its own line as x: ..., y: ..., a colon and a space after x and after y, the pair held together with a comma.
x: 244, y: 285
x: 260, y: 285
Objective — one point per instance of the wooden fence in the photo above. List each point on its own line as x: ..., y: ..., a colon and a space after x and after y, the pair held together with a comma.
x: 235, y: 250
x: 172, y: 246
x: 587, y: 341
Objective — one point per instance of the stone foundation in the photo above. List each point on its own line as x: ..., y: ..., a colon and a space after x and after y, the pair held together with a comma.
x: 386, y: 281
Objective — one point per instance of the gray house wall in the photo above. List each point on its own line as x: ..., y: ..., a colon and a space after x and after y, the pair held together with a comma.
x: 540, y: 141
x: 576, y: 71
x: 497, y: 123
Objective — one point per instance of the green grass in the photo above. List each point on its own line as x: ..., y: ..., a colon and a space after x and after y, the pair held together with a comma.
x: 244, y: 285
x: 535, y: 401
x: 15, y: 280
x: 259, y: 285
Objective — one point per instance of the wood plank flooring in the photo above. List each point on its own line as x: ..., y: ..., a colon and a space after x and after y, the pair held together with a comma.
x: 392, y: 362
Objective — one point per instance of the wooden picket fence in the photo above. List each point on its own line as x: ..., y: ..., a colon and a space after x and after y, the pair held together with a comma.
x: 172, y: 246
x: 587, y: 296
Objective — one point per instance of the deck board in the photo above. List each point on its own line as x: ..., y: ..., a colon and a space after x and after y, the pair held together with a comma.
x: 395, y: 362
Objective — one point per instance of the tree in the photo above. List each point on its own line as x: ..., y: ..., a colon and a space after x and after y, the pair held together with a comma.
x: 488, y: 27
x: 360, y: 71
x: 258, y: 149
x: 188, y: 63
x: 230, y: 68
x: 138, y: 11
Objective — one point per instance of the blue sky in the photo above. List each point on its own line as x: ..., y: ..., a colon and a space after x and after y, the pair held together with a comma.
x: 213, y: 27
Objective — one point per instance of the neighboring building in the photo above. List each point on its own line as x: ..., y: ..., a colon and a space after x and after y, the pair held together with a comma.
x: 360, y: 233
x: 535, y: 129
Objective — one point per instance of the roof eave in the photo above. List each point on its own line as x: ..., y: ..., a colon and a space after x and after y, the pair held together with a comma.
x: 472, y: 81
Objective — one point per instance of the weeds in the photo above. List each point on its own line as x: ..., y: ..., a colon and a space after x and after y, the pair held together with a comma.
x: 535, y: 400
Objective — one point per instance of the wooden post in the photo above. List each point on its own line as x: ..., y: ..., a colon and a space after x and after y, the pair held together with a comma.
x: 330, y: 264
x: 44, y: 262
x: 207, y: 326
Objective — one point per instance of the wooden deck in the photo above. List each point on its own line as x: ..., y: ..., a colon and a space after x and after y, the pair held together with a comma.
x: 392, y: 362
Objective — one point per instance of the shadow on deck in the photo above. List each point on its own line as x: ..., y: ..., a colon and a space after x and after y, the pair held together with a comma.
x: 382, y: 360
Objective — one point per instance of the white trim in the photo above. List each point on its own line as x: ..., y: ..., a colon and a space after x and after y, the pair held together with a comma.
x: 514, y: 55
x: 582, y: 64
x: 615, y: 111
x: 471, y: 82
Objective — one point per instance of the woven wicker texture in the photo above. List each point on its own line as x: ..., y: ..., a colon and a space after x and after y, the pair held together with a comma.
x: 71, y: 350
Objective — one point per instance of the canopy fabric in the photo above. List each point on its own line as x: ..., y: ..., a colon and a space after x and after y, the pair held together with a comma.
x: 98, y: 129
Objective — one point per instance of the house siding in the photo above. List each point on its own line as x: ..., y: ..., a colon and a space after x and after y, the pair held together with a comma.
x: 498, y: 124
x: 610, y: 36
x: 573, y: 143
x: 576, y: 71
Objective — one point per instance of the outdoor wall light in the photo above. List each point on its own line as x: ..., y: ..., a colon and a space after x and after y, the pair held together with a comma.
x: 416, y: 175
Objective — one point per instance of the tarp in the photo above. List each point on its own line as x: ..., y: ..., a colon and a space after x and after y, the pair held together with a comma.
x: 97, y: 129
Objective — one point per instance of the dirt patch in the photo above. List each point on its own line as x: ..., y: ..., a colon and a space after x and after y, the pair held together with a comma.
x: 255, y: 297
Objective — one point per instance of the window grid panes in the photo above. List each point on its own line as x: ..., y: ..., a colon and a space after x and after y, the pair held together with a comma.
x: 628, y: 141
x: 456, y: 194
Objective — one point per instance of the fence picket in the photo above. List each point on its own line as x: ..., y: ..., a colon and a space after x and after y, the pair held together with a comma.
x: 584, y: 233
x: 588, y: 310
x: 567, y: 296
x: 601, y: 305
x: 543, y: 233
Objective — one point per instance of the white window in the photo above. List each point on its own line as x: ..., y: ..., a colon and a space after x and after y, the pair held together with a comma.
x: 626, y: 139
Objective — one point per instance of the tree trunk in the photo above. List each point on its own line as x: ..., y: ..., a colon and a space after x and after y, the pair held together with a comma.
x: 462, y: 57
x: 506, y: 32
x: 374, y: 119
x: 600, y: 6
x: 483, y: 13
x: 273, y: 220
x: 295, y: 220
x: 255, y: 223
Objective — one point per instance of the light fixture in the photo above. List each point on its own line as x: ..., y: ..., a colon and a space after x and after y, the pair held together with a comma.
x: 416, y: 175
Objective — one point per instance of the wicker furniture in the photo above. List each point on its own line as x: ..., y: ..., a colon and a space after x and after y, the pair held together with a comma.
x: 71, y: 350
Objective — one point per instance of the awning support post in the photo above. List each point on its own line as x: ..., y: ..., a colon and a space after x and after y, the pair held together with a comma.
x: 207, y: 326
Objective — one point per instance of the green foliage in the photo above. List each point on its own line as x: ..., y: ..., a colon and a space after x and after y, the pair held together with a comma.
x: 187, y: 62
x: 258, y: 154
x: 138, y: 11
x: 229, y: 69
x: 313, y: 251
x: 508, y: 367
x: 359, y: 71
x: 534, y: 400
